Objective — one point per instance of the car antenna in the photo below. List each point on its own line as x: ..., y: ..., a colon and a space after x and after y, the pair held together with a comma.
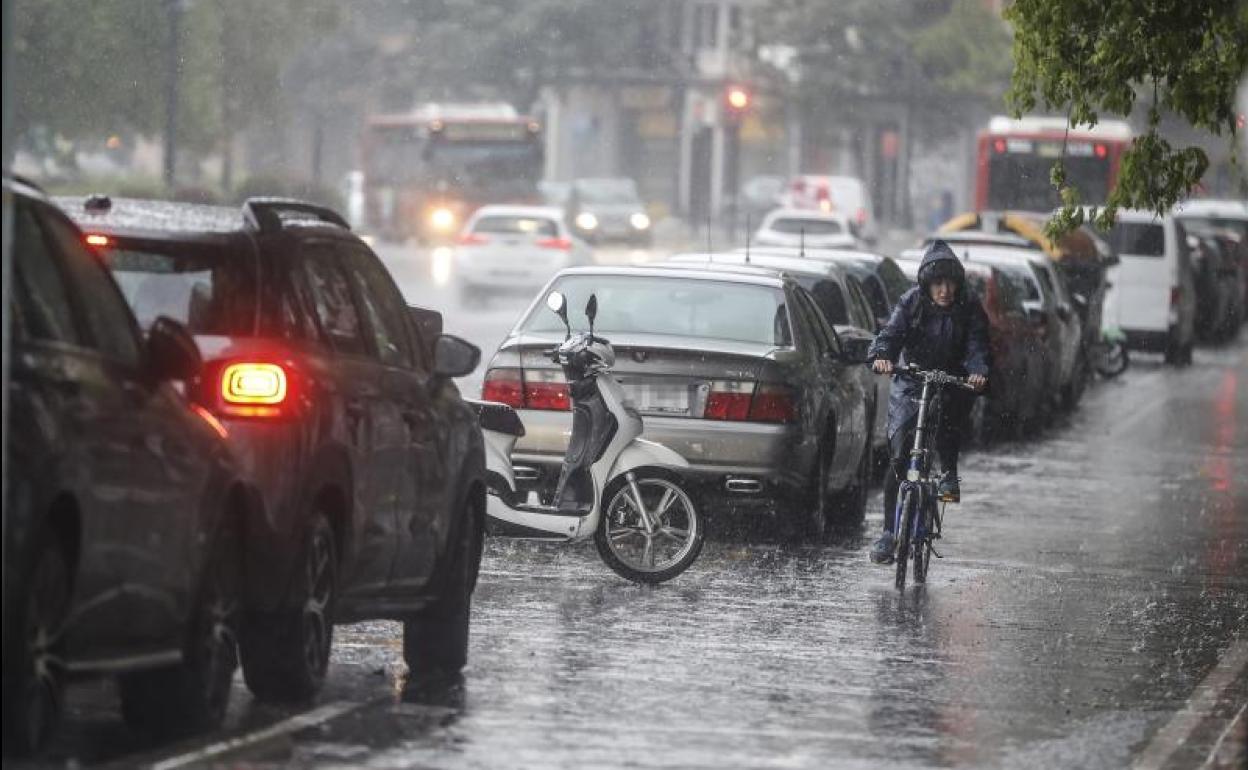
x: 747, y: 238
x: 709, y: 250
x: 801, y: 234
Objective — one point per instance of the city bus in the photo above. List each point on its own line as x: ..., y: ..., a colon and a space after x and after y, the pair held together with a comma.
x: 1014, y: 158
x: 427, y: 170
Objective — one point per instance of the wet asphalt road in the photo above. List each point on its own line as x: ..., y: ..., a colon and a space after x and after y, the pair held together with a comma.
x: 1091, y: 581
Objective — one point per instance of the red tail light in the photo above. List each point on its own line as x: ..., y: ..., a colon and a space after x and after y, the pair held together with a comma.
x: 773, y: 403
x: 1101, y: 151
x: 740, y: 401
x: 472, y: 239
x: 729, y: 400
x: 861, y: 216
x: 999, y: 146
x: 504, y: 386
x: 96, y: 240
x: 562, y: 244
x: 254, y: 389
x: 546, y: 389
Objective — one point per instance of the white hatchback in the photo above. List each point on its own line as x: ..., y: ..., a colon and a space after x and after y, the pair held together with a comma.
x: 804, y: 227
x: 1152, y: 294
x: 514, y: 249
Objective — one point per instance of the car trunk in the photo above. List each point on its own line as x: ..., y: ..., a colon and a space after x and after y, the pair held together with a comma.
x: 665, y: 376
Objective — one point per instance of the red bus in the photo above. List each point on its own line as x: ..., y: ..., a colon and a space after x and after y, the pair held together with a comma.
x: 1013, y: 159
x: 427, y: 170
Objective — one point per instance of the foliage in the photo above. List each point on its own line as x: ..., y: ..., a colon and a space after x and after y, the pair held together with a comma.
x: 1089, y: 57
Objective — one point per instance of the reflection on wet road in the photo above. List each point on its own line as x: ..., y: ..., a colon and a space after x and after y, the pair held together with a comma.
x: 1091, y: 581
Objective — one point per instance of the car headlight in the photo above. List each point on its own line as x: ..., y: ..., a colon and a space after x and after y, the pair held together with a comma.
x: 442, y: 219
x: 586, y: 221
x: 639, y: 221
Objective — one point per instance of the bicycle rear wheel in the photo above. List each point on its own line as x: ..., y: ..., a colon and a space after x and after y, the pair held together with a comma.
x: 923, y: 546
x: 904, y: 525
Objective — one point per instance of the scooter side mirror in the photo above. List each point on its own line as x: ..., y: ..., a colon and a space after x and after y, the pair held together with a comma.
x: 559, y: 303
x: 591, y: 311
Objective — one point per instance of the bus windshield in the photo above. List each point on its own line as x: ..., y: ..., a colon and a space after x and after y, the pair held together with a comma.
x: 1021, y: 182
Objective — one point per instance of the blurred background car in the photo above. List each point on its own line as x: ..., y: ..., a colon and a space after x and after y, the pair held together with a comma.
x: 124, y: 505
x: 337, y: 400
x: 1227, y: 222
x: 608, y: 210
x: 843, y: 194
x: 735, y: 369
x: 800, y: 228
x: 513, y: 249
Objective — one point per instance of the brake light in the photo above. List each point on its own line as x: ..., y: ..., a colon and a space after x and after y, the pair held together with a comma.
x: 472, y: 239
x: 97, y: 240
x: 562, y: 244
x: 729, y: 400
x: 1101, y: 151
x: 999, y: 146
x: 546, y: 389
x: 773, y: 403
x: 504, y: 386
x: 254, y: 389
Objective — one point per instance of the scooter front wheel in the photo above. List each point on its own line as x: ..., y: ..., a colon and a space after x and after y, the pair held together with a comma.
x: 650, y: 531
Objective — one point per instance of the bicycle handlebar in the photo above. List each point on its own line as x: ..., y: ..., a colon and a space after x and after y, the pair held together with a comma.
x: 932, y: 375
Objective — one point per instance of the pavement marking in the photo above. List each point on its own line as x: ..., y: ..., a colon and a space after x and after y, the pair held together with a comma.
x: 1171, y: 738
x: 292, y: 725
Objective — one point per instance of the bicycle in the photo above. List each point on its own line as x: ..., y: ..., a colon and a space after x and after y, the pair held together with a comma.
x: 917, y: 492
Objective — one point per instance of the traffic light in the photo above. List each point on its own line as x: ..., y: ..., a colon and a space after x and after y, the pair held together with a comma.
x: 737, y: 102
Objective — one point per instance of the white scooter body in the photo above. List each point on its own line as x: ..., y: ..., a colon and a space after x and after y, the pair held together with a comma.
x: 625, y: 453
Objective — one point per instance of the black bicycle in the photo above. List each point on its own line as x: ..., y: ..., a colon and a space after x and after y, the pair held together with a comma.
x: 918, y: 516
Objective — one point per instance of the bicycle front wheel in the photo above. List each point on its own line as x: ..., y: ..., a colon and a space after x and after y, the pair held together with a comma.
x: 905, y: 523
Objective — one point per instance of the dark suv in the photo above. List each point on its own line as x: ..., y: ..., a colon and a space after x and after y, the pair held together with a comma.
x: 339, y: 399
x: 123, y: 504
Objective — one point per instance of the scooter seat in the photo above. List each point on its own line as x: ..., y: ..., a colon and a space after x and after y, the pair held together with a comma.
x: 551, y: 510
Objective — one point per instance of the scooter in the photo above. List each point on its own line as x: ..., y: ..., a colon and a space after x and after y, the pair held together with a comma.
x: 625, y: 492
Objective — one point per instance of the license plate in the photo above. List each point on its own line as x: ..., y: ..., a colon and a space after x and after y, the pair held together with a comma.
x: 659, y: 398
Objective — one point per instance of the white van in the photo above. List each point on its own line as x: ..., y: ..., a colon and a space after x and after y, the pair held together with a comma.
x: 1152, y: 294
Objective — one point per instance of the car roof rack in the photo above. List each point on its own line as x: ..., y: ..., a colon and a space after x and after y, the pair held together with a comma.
x: 265, y: 214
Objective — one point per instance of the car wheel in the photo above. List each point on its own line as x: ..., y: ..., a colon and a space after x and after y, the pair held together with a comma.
x: 193, y: 695
x: 814, y: 505
x: 285, y: 654
x: 34, y: 665
x: 435, y: 640
x: 851, y: 504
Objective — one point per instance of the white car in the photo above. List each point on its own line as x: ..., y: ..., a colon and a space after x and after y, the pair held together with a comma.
x: 1152, y: 292
x: 514, y: 249
x: 804, y: 227
x: 842, y: 194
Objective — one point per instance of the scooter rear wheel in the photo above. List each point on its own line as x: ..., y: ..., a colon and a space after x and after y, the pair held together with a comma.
x: 654, y: 552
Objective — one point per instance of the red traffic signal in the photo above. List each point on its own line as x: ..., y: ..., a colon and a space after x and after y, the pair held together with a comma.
x: 737, y: 98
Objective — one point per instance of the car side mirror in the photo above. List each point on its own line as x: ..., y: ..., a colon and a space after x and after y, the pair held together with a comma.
x: 171, y: 351
x: 454, y: 357
x: 428, y: 324
x: 854, y: 350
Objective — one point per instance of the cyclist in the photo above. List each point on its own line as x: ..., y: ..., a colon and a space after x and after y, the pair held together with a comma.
x: 938, y: 324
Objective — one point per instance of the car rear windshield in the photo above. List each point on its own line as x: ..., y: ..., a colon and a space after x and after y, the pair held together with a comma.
x: 203, y: 286
x: 516, y: 225
x: 1138, y: 239
x: 718, y: 310
x: 796, y: 225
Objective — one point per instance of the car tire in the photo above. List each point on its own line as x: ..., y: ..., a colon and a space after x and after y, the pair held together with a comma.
x: 850, y: 506
x: 193, y: 695
x: 435, y: 640
x: 34, y: 672
x: 812, y: 507
x: 285, y: 654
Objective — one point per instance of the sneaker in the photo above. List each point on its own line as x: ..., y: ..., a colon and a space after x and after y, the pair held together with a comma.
x: 882, y: 551
x: 949, y: 491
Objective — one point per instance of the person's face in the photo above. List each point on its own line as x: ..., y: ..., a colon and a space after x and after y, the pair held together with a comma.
x: 942, y: 291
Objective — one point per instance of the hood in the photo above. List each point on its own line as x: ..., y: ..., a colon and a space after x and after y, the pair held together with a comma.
x: 939, y: 251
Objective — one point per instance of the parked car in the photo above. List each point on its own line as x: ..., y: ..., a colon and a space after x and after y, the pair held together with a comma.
x: 123, y: 504
x: 736, y: 370
x: 1019, y: 396
x: 509, y: 249
x: 339, y: 400
x: 845, y: 194
x: 1226, y: 220
x: 803, y: 229
x: 604, y: 210
x: 880, y: 278
x: 1219, y: 296
x: 1152, y: 294
x: 843, y: 305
